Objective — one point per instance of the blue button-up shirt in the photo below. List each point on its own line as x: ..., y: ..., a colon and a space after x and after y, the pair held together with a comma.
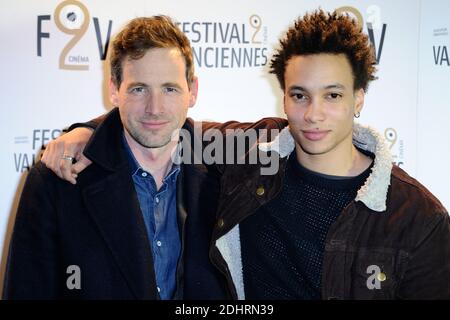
x: 159, y: 209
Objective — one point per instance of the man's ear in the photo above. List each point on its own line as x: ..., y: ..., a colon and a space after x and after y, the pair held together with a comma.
x: 359, y: 100
x: 193, y: 89
x: 113, y: 93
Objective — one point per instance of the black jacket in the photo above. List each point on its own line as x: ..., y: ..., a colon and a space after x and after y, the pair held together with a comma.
x: 97, y: 225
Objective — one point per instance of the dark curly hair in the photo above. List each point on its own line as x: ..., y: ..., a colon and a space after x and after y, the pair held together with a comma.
x: 142, y: 34
x: 332, y: 33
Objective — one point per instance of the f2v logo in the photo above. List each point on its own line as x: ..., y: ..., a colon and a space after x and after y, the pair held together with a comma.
x: 373, y: 22
x: 74, y: 280
x: 72, y: 18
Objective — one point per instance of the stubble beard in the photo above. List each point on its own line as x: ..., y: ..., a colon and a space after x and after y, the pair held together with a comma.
x: 151, y: 138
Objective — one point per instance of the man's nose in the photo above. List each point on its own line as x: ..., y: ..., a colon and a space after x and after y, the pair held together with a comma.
x: 315, y: 111
x: 154, y: 103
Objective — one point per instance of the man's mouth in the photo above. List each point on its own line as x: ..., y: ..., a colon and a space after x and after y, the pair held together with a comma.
x: 315, y: 135
x: 154, y: 124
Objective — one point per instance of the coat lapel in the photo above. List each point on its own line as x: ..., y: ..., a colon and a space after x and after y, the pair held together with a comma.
x: 113, y: 205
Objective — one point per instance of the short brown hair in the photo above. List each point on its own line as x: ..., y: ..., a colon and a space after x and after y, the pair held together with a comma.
x: 142, y: 34
x: 332, y: 33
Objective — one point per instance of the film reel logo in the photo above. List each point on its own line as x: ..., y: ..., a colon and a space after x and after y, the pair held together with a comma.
x: 373, y: 23
x: 72, y: 17
x: 391, y: 136
x: 256, y: 23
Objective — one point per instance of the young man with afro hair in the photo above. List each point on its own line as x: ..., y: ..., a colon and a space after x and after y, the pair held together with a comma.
x: 338, y: 220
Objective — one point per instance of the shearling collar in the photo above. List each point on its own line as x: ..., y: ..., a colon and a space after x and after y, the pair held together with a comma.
x: 374, y: 192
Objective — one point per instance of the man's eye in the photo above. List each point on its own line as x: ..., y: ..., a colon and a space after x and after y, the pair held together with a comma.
x: 170, y: 89
x: 298, y: 96
x: 137, y: 90
x: 334, y: 96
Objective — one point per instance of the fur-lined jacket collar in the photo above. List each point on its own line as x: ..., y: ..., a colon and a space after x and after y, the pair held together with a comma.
x: 374, y: 192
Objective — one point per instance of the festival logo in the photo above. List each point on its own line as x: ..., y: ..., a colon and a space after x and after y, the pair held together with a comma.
x: 396, y: 146
x: 72, y: 18
x: 373, y: 25
x: 24, y: 159
x: 228, y: 44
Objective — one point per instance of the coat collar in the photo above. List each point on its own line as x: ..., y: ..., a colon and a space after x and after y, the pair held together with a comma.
x: 105, y: 147
x: 374, y: 192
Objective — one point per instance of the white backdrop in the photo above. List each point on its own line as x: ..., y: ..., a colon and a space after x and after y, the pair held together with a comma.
x: 39, y: 96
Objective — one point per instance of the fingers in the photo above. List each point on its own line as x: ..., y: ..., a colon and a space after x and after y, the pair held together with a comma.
x: 80, y: 165
x: 66, y: 170
x: 69, y: 144
x: 70, y: 171
x: 52, y: 156
x: 66, y: 166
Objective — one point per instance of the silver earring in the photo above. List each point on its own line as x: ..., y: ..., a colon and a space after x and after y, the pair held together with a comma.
x: 357, y: 115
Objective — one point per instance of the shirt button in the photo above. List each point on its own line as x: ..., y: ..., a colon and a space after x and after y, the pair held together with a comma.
x: 158, y: 243
x: 157, y: 200
x: 144, y: 174
x: 220, y: 223
x: 157, y: 288
x: 260, y: 191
